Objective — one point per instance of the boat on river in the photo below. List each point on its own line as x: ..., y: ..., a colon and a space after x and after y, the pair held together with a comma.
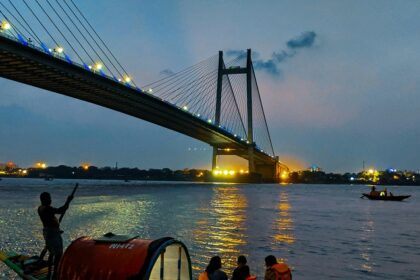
x: 386, y: 197
x: 110, y: 257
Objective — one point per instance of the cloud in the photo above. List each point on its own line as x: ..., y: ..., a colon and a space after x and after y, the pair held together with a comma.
x: 305, y: 40
x: 282, y: 55
x: 268, y: 65
x: 167, y: 72
x: 271, y: 66
x: 236, y: 53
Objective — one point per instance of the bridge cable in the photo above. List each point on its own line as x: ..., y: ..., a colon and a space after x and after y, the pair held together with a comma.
x: 33, y: 34
x: 171, y: 92
x: 174, y: 81
x: 81, y: 33
x: 58, y: 29
x: 262, y: 110
x: 182, y: 81
x: 189, y: 84
x: 99, y: 38
x: 191, y: 89
x: 70, y: 32
x: 171, y: 76
x: 236, y: 104
x: 40, y: 22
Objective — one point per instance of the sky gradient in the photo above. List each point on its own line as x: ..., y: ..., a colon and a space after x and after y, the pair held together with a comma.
x: 350, y: 95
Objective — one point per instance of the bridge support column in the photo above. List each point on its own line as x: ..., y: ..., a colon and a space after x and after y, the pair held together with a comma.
x: 251, y: 161
x: 269, y: 172
x: 214, y: 159
x: 250, y: 136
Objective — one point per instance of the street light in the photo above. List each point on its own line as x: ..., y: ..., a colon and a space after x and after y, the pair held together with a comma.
x: 5, y: 25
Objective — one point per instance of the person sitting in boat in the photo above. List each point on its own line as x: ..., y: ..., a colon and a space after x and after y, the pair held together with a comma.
x: 241, y: 272
x: 384, y: 192
x: 51, y: 230
x: 213, y: 270
x: 276, y: 270
x: 374, y: 192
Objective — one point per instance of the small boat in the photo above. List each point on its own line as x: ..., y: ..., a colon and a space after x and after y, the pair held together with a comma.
x: 386, y: 197
x: 110, y: 257
x: 29, y: 268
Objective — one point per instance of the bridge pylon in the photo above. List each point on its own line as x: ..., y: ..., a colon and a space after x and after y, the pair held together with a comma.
x: 223, y: 71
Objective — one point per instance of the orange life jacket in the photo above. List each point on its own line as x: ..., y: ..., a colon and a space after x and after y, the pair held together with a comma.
x: 203, y: 276
x: 251, y: 277
x: 282, y: 271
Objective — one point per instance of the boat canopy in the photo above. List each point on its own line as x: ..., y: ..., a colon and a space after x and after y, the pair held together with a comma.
x: 125, y: 258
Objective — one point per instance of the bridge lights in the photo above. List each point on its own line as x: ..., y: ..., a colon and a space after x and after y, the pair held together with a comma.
x: 185, y: 108
x: 209, y: 121
x: 216, y: 172
x: 5, y: 25
x: 98, y: 66
x: 59, y: 50
x: 150, y: 90
x: 127, y: 79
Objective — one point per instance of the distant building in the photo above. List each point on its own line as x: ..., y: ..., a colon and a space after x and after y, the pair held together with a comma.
x: 314, y: 168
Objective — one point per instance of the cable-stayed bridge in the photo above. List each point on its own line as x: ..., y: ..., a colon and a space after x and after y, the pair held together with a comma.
x: 214, y: 101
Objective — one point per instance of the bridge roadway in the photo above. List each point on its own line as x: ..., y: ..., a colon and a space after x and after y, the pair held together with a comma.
x: 34, y: 67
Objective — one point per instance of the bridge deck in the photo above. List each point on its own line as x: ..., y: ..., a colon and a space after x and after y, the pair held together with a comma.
x: 30, y: 66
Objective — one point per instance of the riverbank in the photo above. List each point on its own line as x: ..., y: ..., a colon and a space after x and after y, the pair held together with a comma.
x: 368, y: 177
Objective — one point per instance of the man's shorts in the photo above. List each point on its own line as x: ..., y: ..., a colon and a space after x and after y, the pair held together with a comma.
x: 53, y: 240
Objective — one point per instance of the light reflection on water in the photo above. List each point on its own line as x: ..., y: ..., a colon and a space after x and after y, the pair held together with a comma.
x: 326, y: 231
x: 284, y: 221
x: 222, y: 232
x: 367, y: 234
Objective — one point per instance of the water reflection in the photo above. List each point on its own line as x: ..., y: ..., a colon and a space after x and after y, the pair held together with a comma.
x: 368, y: 230
x: 107, y: 214
x: 222, y: 231
x: 284, y: 222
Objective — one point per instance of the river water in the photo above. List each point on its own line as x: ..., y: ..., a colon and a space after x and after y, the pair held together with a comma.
x: 321, y: 231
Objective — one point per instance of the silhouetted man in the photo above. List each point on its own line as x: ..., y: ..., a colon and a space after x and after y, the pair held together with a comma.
x: 51, y: 230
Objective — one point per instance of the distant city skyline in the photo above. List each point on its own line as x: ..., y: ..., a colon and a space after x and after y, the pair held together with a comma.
x: 339, y: 84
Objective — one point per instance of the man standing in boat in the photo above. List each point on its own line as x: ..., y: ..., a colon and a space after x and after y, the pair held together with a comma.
x: 51, y: 230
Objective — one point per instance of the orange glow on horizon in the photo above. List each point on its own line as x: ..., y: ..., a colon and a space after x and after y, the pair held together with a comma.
x: 294, y: 163
x: 41, y: 165
x: 85, y: 166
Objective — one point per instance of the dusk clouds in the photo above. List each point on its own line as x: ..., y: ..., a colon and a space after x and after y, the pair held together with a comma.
x: 271, y: 65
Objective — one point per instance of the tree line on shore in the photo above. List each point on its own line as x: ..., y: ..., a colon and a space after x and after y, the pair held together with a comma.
x: 387, y: 177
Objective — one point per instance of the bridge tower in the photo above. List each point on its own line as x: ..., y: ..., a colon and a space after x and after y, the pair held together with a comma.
x: 222, y: 71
